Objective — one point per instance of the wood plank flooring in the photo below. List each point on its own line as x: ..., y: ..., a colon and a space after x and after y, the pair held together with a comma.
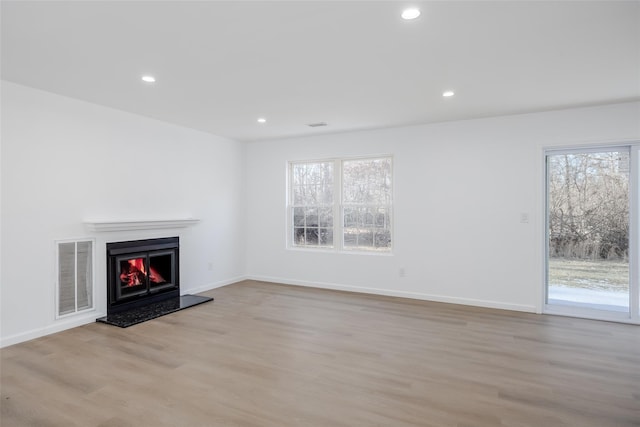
x: 273, y: 355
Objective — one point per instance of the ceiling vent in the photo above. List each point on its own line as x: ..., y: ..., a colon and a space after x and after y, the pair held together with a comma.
x: 317, y: 125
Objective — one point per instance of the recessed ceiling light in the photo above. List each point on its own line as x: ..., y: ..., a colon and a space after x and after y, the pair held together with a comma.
x: 411, y: 13
x: 262, y: 120
x: 448, y: 93
x: 148, y: 79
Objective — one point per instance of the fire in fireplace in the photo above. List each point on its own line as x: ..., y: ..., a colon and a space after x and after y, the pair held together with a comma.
x: 132, y: 273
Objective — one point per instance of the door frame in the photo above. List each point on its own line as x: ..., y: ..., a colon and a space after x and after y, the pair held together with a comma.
x: 633, y: 316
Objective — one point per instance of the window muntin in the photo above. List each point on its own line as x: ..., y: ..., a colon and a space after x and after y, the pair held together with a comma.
x: 356, y: 191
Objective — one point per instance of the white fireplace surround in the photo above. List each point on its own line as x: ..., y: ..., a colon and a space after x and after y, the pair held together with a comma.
x: 129, y: 225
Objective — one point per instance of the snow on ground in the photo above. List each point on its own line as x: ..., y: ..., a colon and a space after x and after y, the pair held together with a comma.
x: 603, y: 300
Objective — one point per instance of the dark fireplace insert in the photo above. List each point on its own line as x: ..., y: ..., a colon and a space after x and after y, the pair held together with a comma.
x: 143, y: 281
x: 142, y: 271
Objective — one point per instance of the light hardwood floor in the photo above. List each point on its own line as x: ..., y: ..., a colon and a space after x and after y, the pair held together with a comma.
x: 274, y: 355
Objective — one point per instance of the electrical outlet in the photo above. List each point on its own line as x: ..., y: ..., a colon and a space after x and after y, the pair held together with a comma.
x: 210, y: 266
x: 402, y: 272
x: 524, y: 217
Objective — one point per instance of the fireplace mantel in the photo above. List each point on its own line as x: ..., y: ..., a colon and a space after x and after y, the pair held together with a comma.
x: 127, y: 225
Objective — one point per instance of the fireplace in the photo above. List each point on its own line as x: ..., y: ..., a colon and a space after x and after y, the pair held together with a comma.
x: 142, y: 271
x: 143, y: 281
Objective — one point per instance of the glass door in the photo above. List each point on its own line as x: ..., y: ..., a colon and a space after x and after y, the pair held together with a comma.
x: 591, y: 233
x: 132, y: 275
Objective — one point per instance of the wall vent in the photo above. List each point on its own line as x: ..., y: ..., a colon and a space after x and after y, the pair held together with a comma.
x: 74, y: 276
x: 316, y: 125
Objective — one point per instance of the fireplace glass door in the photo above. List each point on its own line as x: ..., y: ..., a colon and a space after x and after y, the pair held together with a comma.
x: 132, y: 275
x: 161, y: 273
x: 147, y: 272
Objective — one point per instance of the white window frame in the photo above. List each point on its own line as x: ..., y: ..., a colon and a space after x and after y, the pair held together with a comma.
x: 337, y: 208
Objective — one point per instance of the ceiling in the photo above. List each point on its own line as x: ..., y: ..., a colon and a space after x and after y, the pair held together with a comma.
x: 220, y: 65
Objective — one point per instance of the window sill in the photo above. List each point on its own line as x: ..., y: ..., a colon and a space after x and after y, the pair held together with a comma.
x: 338, y: 251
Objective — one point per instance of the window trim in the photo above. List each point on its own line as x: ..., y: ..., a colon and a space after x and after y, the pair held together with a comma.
x: 338, y: 207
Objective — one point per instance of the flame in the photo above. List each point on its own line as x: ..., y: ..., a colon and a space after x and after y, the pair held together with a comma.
x: 138, y: 264
x: 154, y: 276
x: 133, y: 273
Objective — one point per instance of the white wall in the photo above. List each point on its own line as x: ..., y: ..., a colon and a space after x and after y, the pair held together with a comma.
x: 65, y: 161
x: 460, y: 189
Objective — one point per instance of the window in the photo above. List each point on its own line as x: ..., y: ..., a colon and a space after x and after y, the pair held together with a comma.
x: 312, y: 190
x: 358, y: 191
x: 366, y: 203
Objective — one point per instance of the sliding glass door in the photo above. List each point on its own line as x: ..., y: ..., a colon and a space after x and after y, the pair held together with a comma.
x: 592, y: 233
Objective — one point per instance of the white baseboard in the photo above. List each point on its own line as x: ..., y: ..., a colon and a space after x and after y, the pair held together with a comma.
x: 215, y: 285
x: 61, y: 325
x: 91, y: 317
x: 401, y: 294
x: 58, y: 326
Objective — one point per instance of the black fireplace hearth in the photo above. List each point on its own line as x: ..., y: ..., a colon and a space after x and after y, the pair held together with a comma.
x: 143, y: 281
